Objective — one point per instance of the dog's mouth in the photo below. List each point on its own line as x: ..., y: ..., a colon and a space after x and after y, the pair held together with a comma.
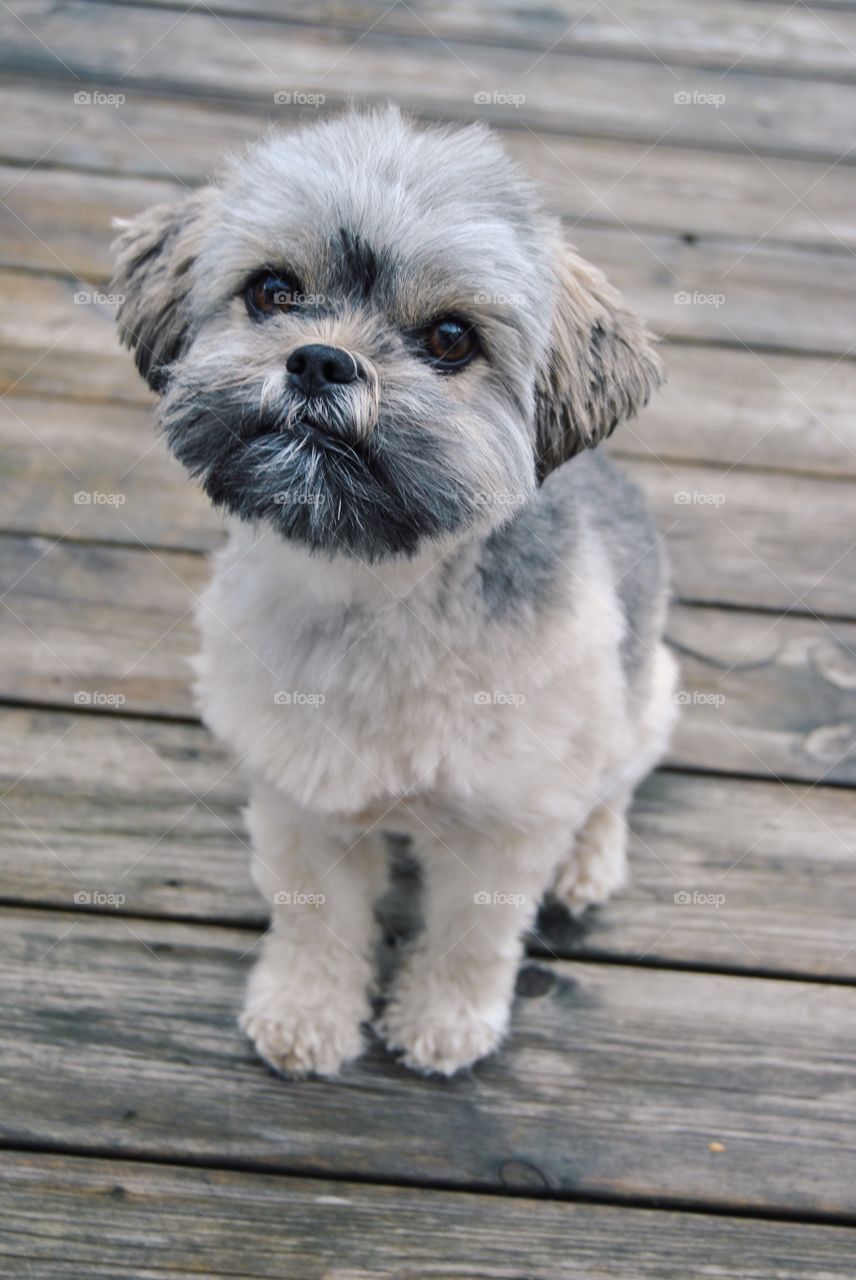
x: 315, y: 481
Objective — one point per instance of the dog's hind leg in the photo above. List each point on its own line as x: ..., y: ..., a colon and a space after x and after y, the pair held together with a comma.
x: 597, y: 864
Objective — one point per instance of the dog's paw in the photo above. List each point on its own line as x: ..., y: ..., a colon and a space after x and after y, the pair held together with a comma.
x: 299, y: 1040
x: 440, y: 1043
x: 597, y: 865
x: 299, y: 1043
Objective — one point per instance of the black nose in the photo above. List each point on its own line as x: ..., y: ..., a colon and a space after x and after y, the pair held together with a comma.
x: 316, y: 368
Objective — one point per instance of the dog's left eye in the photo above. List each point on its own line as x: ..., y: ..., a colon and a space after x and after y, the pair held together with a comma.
x: 269, y: 292
x: 451, y: 343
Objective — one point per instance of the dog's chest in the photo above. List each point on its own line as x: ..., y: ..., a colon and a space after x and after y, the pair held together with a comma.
x: 340, y: 701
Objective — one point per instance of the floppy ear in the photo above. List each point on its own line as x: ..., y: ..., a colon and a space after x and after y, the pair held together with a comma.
x: 601, y: 367
x: 154, y: 255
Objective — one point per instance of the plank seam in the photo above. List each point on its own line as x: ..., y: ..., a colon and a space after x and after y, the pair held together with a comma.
x: 654, y: 1204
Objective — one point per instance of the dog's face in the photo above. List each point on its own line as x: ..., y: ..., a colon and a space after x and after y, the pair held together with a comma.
x: 369, y: 335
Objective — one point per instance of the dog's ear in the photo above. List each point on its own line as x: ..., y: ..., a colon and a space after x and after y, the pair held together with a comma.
x: 154, y: 254
x: 601, y: 367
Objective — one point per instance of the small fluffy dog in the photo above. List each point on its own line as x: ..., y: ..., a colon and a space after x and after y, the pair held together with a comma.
x: 376, y: 354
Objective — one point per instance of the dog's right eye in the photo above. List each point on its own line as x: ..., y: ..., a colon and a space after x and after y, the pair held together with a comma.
x: 269, y: 292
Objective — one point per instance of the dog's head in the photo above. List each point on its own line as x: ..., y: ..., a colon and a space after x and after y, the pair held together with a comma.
x: 369, y: 335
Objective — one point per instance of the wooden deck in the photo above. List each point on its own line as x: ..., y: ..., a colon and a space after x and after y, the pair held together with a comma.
x: 678, y: 1096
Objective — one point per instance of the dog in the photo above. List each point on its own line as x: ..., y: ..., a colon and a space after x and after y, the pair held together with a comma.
x: 439, y: 612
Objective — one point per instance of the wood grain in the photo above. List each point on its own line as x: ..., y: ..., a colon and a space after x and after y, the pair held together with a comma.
x: 98, y: 472
x: 253, y: 59
x: 98, y: 1216
x: 753, y: 36
x: 150, y: 811
x: 614, y: 1080
x: 599, y: 180
x: 762, y: 693
x: 50, y: 343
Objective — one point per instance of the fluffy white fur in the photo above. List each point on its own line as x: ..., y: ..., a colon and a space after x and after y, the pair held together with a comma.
x: 495, y: 692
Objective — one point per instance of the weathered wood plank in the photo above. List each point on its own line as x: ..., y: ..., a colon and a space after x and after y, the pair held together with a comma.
x: 664, y: 187
x: 727, y: 292
x: 614, y: 1080
x: 755, y: 36
x: 150, y: 812
x: 758, y: 533
x: 254, y: 59
x: 764, y: 693
x: 97, y: 1216
x: 735, y: 536
x: 98, y: 472
x: 761, y: 695
x: 81, y: 620
x: 741, y: 407
x: 50, y: 343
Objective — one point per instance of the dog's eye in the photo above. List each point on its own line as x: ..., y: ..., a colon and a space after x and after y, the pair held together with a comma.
x: 451, y: 343
x: 269, y: 292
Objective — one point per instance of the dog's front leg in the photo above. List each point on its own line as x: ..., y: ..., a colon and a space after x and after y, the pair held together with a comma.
x: 309, y: 991
x: 450, y: 1003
